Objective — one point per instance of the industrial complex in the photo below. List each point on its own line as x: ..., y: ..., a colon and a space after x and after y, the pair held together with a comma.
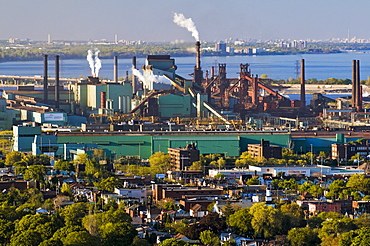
x: 155, y: 109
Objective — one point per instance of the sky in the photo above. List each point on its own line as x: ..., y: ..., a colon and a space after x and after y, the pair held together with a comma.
x: 152, y: 20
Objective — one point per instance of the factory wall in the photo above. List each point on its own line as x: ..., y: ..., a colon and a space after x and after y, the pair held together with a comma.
x: 280, y: 139
x: 57, y: 118
x: 114, y: 91
x: 174, y: 105
x: 145, y: 144
x: 318, y: 144
x: 23, y: 137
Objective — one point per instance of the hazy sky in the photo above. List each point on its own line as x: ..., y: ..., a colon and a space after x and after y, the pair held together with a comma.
x: 152, y: 20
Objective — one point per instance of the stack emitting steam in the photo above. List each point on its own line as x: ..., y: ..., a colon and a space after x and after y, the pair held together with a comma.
x: 94, y: 62
x: 181, y: 21
x: 149, y: 77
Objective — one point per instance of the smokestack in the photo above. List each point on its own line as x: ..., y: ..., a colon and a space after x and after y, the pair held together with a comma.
x: 197, y: 44
x: 103, y: 99
x: 254, y: 90
x: 56, y: 81
x: 115, y: 69
x: 45, y: 78
x: 212, y: 72
x: 358, y: 88
x: 354, y: 84
x: 303, y: 89
x: 133, y: 76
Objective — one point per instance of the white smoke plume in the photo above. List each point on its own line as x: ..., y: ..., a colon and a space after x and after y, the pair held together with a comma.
x: 138, y: 75
x: 94, y: 62
x: 181, y: 21
x: 90, y: 59
x: 97, y: 62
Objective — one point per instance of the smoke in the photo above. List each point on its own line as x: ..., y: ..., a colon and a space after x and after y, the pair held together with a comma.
x: 90, y: 59
x: 149, y: 77
x: 94, y: 62
x: 97, y: 62
x: 181, y: 21
x: 138, y: 75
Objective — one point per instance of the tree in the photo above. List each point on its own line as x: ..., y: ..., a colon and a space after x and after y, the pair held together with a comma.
x: 82, y: 158
x: 6, y: 230
x: 253, y: 181
x: 27, y: 237
x: 303, y: 237
x: 241, y: 222
x: 159, y: 163
x: 66, y: 189
x: 266, y: 221
x: 36, y: 173
x: 362, y: 238
x: 335, y: 189
x: 109, y: 184
x: 12, y: 157
x: 173, y: 242
x: 335, y: 227
x: 214, y: 222
x: 117, y: 233
x: 64, y: 165
x: 140, y: 242
x: 196, y: 165
x: 74, y: 213
x: 36, y: 160
x: 80, y: 238
x: 209, y: 238
x: 293, y: 215
x: 358, y: 182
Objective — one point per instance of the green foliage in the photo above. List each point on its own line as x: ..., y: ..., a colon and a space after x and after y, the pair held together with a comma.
x: 173, y: 242
x: 241, y: 222
x: 6, y: 230
x: 35, y: 172
x: 358, y: 182
x: 209, y: 238
x: 360, y: 237
x: 112, y: 227
x: 253, y: 181
x: 64, y: 165
x: 36, y: 160
x: 196, y: 165
x: 12, y: 157
x: 28, y: 237
x: 335, y: 189
x: 140, y: 242
x: 80, y: 238
x: 303, y: 237
x: 74, y: 213
x: 292, y: 216
x: 159, y: 163
x: 335, y: 227
x: 66, y: 189
x: 109, y: 184
x: 266, y: 221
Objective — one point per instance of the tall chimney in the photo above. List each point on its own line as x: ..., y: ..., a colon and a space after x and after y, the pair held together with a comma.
x: 115, y: 69
x: 57, y: 81
x: 254, y: 90
x: 197, y: 44
x: 212, y: 72
x: 133, y: 76
x: 45, y: 78
x: 303, y: 87
x: 354, y: 84
x: 358, y: 88
x: 103, y: 99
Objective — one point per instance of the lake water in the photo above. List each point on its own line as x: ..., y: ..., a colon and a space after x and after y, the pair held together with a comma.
x: 319, y: 66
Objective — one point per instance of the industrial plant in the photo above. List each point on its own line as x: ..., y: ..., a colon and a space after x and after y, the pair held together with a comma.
x: 154, y: 109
